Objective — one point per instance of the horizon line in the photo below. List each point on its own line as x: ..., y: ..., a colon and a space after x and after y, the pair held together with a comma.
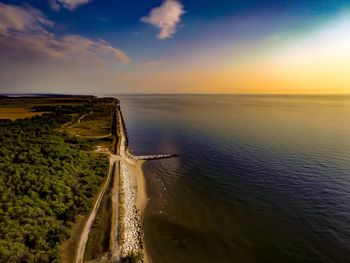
x: 128, y: 94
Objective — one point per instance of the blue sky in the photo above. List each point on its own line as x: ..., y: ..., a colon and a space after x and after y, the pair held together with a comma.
x: 146, y: 46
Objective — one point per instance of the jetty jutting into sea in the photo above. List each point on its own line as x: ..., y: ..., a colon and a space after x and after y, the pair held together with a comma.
x: 128, y: 199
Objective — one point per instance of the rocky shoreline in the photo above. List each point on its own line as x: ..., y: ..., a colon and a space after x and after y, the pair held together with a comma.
x: 130, y: 229
x: 130, y: 234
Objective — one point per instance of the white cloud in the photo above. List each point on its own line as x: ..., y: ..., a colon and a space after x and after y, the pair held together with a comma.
x: 24, y: 37
x: 68, y: 4
x: 166, y: 17
x: 20, y: 19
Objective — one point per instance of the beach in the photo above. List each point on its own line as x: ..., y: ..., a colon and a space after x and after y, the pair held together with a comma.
x: 141, y: 200
x: 132, y: 198
x: 128, y: 198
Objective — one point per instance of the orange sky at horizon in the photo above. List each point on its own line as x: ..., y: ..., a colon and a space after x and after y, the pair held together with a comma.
x: 315, y: 63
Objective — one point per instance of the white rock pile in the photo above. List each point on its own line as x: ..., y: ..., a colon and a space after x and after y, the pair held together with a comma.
x: 130, y: 228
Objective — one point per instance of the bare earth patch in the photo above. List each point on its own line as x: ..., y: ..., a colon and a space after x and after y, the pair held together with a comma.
x: 17, y: 113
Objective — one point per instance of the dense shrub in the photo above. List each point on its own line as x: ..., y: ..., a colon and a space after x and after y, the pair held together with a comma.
x: 46, y: 179
x: 133, y: 258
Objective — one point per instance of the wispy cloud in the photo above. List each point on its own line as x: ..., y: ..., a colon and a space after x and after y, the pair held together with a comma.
x: 25, y: 35
x: 19, y: 19
x: 166, y: 17
x: 68, y: 4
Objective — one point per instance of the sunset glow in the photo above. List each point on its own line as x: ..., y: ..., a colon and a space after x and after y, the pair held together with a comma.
x: 174, y: 47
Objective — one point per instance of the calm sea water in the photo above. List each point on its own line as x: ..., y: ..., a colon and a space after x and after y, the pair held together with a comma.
x: 258, y: 178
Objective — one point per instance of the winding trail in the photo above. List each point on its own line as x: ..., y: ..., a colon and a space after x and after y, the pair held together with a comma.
x: 83, y: 116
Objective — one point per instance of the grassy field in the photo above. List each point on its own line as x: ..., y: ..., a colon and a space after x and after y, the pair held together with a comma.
x: 14, y: 113
x: 14, y: 108
x: 28, y: 101
x: 95, y: 123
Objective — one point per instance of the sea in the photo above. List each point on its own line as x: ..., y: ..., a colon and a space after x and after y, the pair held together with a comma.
x: 258, y: 178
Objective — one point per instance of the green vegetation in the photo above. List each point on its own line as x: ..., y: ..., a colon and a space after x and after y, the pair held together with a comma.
x: 99, y: 236
x: 46, y: 178
x: 133, y: 258
x: 95, y: 123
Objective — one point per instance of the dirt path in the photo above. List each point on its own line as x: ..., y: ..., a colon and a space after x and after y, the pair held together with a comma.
x: 85, y: 234
x: 83, y: 116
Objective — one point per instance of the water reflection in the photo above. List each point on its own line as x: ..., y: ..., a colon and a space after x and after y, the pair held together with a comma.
x: 258, y: 178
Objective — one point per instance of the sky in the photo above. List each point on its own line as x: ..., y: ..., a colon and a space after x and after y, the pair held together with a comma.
x: 175, y: 46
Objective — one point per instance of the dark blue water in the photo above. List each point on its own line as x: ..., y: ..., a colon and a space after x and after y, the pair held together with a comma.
x: 258, y: 178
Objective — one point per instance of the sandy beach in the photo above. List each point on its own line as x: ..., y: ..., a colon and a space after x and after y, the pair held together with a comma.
x: 141, y: 197
x: 141, y: 200
x: 133, y: 198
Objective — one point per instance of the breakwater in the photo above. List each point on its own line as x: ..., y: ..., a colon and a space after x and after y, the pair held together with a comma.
x: 125, y: 142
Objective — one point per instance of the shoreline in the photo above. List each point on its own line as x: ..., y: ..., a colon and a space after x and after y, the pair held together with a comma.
x: 129, y: 199
x: 133, y: 198
x: 139, y: 180
x: 141, y: 203
x: 142, y: 196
